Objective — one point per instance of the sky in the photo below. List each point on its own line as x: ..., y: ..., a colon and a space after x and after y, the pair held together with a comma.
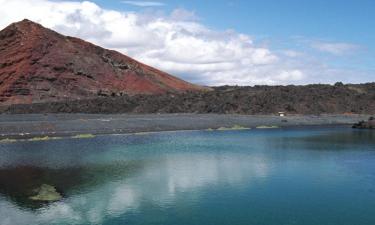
x: 218, y: 42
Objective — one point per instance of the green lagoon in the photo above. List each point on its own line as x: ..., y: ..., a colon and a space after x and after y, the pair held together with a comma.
x: 301, y: 176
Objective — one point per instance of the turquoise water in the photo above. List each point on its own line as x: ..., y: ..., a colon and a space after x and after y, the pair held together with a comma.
x: 290, y: 176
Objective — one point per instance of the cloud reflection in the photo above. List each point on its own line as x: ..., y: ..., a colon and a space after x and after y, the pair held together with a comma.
x: 158, y: 183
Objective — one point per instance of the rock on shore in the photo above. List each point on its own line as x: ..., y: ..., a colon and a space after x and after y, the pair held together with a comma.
x: 370, y: 124
x: 46, y: 193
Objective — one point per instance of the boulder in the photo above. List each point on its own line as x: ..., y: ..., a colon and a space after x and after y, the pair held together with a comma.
x: 46, y: 193
x: 370, y: 124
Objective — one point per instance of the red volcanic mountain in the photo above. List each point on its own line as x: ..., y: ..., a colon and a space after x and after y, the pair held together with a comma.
x: 40, y: 65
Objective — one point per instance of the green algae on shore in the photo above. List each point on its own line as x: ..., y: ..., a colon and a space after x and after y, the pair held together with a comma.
x: 45, y: 138
x: 84, y: 136
x: 267, y: 127
x: 235, y: 127
x: 7, y: 140
x: 143, y: 133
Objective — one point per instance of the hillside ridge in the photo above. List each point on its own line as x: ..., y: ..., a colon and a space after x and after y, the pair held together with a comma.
x: 40, y: 65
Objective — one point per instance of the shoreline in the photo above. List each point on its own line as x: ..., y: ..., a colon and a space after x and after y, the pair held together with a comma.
x: 53, y: 126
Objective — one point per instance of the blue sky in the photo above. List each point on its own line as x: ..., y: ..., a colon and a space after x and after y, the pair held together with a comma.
x: 238, y: 41
x: 281, y: 22
x: 349, y: 20
x: 339, y: 20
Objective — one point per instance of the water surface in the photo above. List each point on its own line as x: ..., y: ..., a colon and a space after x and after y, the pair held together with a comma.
x: 296, y: 176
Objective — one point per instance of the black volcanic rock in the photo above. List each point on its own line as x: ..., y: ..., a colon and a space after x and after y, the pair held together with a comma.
x: 370, y: 124
x: 310, y: 99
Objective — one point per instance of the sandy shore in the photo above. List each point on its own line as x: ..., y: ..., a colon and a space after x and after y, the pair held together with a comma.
x: 60, y: 125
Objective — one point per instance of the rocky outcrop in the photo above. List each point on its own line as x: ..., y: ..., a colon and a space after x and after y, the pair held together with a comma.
x: 46, y: 193
x: 370, y: 124
x: 40, y: 65
x: 309, y: 99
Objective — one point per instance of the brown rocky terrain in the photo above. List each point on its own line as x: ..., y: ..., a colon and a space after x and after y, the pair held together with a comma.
x: 40, y: 65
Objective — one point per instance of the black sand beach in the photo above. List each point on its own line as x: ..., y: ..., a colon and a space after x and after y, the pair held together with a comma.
x: 64, y: 125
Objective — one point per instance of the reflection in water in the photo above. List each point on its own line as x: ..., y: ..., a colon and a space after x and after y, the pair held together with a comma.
x: 115, y: 197
x: 20, y: 183
x: 120, y: 177
x: 329, y: 141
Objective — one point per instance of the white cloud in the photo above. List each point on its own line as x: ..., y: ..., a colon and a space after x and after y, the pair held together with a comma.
x: 293, y: 75
x: 182, y: 14
x: 177, y: 43
x: 335, y: 48
x: 291, y: 53
x: 144, y: 3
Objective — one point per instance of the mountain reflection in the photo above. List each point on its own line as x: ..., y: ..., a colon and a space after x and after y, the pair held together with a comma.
x: 19, y: 183
x: 94, y: 193
x: 326, y: 141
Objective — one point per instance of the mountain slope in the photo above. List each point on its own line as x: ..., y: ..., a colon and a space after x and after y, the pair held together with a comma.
x: 40, y: 65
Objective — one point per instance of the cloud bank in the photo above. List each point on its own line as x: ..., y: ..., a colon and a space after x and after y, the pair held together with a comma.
x: 177, y: 43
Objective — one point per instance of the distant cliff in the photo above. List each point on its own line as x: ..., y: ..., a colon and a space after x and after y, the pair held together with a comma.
x: 309, y: 99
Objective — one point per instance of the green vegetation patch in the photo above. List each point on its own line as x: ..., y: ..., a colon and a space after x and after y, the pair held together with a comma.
x: 142, y: 133
x: 8, y: 140
x: 45, y: 138
x: 235, y: 127
x: 267, y: 127
x: 84, y: 136
x: 239, y: 127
